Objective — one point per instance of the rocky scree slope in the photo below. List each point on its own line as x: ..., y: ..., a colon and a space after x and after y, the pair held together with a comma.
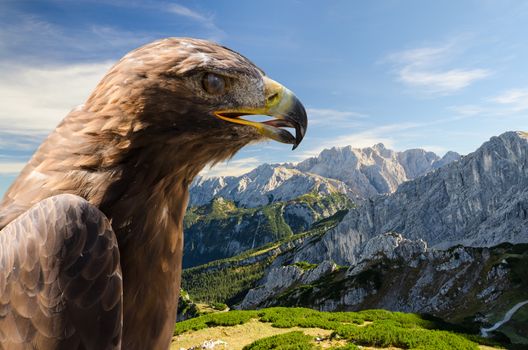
x: 469, y: 286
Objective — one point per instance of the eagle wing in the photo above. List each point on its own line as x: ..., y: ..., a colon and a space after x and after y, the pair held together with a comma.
x: 60, y: 278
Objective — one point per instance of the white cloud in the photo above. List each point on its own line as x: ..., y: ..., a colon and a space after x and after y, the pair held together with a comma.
x: 28, y: 38
x: 506, y: 104
x: 11, y: 168
x: 441, y: 82
x: 187, y: 12
x: 516, y: 99
x: 206, y: 20
x: 119, y: 38
x: 467, y: 110
x: 35, y: 99
x: 425, y: 68
x: 233, y: 167
x: 328, y: 116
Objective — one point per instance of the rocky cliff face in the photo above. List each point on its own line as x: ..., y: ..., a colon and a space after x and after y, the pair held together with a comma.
x: 262, y: 186
x: 374, y: 170
x: 453, y: 241
x: 481, y: 200
x: 289, y: 198
x: 472, y: 286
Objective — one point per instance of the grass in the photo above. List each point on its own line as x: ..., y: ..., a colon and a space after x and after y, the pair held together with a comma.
x: 288, y: 341
x: 239, y: 336
x: 372, y: 328
x: 305, y: 265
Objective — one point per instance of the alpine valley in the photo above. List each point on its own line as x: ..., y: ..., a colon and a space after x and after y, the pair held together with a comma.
x: 371, y: 228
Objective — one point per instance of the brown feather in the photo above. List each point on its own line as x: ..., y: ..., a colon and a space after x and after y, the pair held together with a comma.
x: 131, y: 151
x: 44, y: 301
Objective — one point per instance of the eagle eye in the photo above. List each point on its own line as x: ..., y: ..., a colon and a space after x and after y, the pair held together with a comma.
x: 213, y: 84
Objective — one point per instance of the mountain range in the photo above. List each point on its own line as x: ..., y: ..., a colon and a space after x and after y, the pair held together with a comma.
x: 405, y: 231
x: 359, y: 172
x: 229, y: 215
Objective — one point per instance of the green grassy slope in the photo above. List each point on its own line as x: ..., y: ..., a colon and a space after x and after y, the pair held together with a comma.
x: 375, y: 328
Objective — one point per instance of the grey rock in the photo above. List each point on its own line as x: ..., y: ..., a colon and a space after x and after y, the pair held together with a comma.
x: 480, y: 200
x: 280, y: 278
x: 359, y: 172
x: 263, y: 185
x: 373, y: 170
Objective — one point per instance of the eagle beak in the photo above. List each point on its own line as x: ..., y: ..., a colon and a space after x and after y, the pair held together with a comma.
x: 279, y: 103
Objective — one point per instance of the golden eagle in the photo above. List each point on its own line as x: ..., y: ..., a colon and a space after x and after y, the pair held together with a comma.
x: 91, y: 230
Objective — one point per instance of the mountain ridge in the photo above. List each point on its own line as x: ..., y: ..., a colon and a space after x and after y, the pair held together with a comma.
x: 357, y: 172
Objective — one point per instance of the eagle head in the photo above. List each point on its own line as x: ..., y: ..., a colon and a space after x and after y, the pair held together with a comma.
x: 181, y: 89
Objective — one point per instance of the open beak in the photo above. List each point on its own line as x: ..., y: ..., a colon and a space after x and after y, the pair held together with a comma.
x: 283, y: 106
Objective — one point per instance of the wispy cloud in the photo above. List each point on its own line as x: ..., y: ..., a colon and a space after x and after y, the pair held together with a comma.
x: 234, y: 167
x: 427, y: 69
x: 390, y: 135
x: 206, y: 20
x: 467, y: 110
x: 29, y: 38
x: 36, y: 98
x: 515, y: 99
x: 507, y: 103
x: 328, y: 116
x: 187, y: 12
x: 442, y: 82
x: 385, y: 134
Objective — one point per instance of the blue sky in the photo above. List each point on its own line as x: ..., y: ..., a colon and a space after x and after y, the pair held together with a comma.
x: 440, y: 75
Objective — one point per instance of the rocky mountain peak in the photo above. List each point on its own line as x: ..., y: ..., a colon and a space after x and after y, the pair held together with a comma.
x: 263, y: 185
x: 359, y: 172
x: 373, y: 170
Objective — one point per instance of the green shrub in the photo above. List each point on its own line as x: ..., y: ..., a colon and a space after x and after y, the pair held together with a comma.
x: 385, y: 333
x: 287, y: 341
x: 219, y: 306
x: 349, y: 346
x: 305, y: 265
x: 231, y: 318
x: 282, y: 317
